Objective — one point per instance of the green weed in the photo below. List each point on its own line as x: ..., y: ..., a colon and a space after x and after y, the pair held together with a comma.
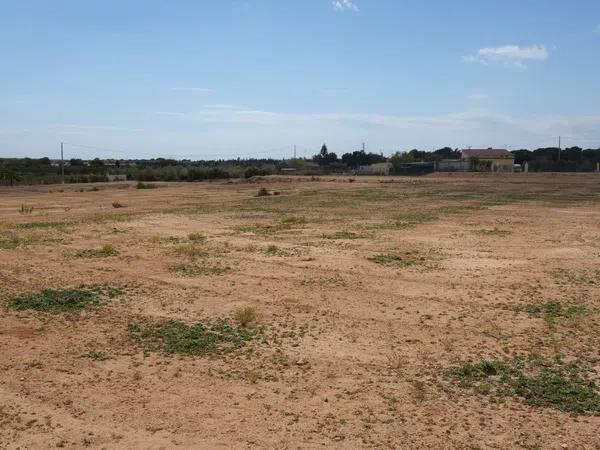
x: 63, y: 300
x: 408, y: 259
x: 196, y: 237
x: 552, y: 384
x: 142, y: 185
x: 105, y: 251
x: 203, y: 338
x: 11, y: 241
x: 343, y: 235
x: 95, y: 355
x: 194, y: 269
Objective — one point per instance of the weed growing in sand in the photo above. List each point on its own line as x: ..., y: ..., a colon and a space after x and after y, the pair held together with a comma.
x: 245, y: 316
x: 191, y: 251
x: 63, y: 300
x: 196, y: 237
x: 580, y: 277
x: 194, y: 269
x: 11, y: 241
x: 494, y: 232
x: 285, y: 223
x: 35, y: 225
x: 412, y: 219
x: 343, y: 235
x: 203, y: 338
x: 142, y: 185
x: 406, y: 260
x: 102, y: 252
x: 549, y: 384
x: 95, y: 355
x: 553, y: 310
x: 118, y: 205
x: 25, y: 209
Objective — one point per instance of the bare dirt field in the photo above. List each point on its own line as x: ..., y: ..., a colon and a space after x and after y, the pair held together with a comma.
x: 449, y: 311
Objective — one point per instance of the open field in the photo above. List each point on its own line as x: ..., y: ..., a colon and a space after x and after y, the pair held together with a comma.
x: 451, y: 311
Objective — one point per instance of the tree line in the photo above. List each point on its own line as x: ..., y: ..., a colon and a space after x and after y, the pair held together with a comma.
x: 43, y: 170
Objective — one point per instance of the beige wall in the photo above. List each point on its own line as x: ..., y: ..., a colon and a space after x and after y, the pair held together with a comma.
x: 501, y: 164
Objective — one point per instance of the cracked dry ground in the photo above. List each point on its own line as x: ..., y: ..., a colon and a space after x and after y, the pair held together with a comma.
x: 367, y: 294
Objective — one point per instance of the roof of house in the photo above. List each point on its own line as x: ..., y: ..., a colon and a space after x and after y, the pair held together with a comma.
x: 486, y: 153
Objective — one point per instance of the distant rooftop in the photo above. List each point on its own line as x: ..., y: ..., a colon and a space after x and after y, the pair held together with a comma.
x: 486, y: 153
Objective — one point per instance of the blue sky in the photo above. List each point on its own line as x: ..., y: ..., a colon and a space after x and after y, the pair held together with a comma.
x: 226, y: 78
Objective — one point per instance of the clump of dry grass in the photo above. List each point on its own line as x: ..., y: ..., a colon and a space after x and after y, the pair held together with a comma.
x: 245, y: 316
x: 103, y: 252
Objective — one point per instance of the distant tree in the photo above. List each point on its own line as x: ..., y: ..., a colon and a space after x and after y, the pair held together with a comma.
x: 400, y: 158
x: 96, y: 162
x: 9, y: 176
x: 361, y: 158
x: 324, y: 158
x: 446, y: 153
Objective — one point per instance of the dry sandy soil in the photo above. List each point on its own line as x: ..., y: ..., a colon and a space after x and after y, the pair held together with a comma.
x: 369, y: 294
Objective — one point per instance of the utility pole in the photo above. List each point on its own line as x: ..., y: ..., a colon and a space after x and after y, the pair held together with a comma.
x: 62, y: 163
x: 294, y: 151
x: 363, y: 147
x: 559, y: 139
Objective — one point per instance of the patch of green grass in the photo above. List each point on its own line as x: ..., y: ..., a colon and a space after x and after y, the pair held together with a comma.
x: 408, y: 259
x: 105, y: 251
x: 293, y: 220
x: 95, y: 355
x: 108, y: 218
x: 413, y: 219
x: 11, y: 241
x: 245, y: 316
x: 548, y: 384
x: 554, y: 310
x: 62, y: 300
x: 494, y: 232
x: 194, y: 269
x: 142, y: 185
x: 343, y: 235
x: 203, y: 338
x: 44, y: 225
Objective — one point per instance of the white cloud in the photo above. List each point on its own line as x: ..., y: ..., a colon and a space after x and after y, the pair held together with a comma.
x: 344, y: 5
x: 512, y: 56
x: 240, y: 131
x: 597, y: 29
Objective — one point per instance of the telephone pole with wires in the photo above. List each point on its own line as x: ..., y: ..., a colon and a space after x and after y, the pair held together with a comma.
x: 62, y: 162
x: 559, y: 144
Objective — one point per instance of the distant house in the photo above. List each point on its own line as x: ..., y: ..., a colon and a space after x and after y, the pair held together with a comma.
x: 375, y: 169
x: 495, y: 160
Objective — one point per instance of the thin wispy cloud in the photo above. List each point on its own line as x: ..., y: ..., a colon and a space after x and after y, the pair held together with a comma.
x: 512, y: 56
x: 597, y: 30
x: 344, y: 5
